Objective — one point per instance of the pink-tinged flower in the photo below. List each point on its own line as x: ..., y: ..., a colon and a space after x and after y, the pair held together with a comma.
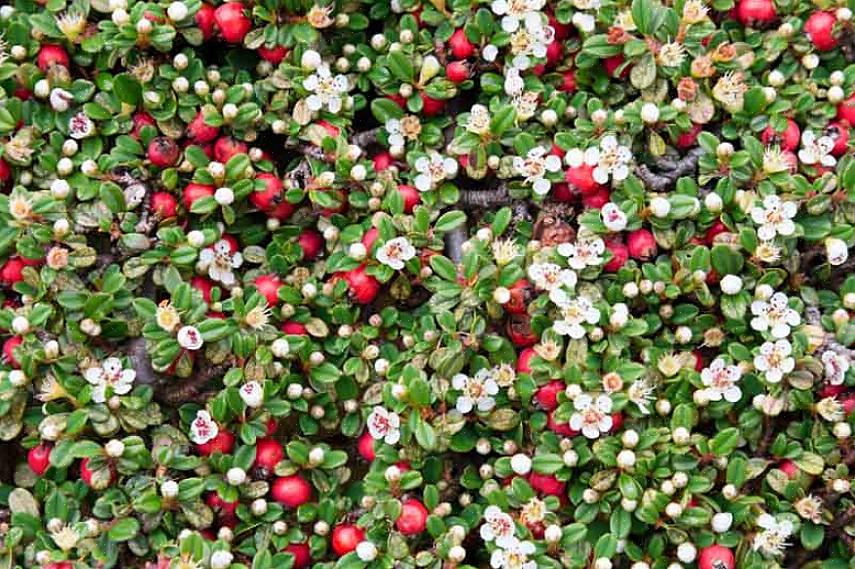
x: 592, y: 416
x: 720, y: 380
x: 774, y: 360
x: 774, y: 316
x: 203, y: 428
x: 252, y: 394
x: 498, y: 527
x: 80, y: 126
x: 218, y: 261
x: 384, y: 425
x: 111, y: 374
x: 836, y: 365
x: 190, y: 338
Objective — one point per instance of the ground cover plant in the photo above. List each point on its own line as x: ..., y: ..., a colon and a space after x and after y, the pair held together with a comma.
x: 519, y: 284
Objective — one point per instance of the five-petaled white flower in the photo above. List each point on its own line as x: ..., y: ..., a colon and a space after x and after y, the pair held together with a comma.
x: 219, y: 260
x: 395, y: 252
x: 773, y: 539
x: 498, y: 527
x: 613, y: 218
x: 384, y: 425
x: 641, y: 393
x: 836, y: 365
x: 774, y: 360
x: 80, y: 126
x: 479, y: 120
x: 433, y: 169
x: 587, y: 251
x: 574, y: 313
x: 531, y: 40
x: 326, y: 89
x: 395, y: 132
x: 514, y: 556
x: 190, y: 338
x: 477, y: 391
x: 252, y: 394
x: 203, y: 428
x: 592, y: 416
x: 549, y: 276
x: 111, y: 374
x: 610, y: 159
x: 720, y: 380
x: 536, y: 166
x: 774, y: 315
x: 774, y: 218
x: 515, y: 12
x: 816, y: 149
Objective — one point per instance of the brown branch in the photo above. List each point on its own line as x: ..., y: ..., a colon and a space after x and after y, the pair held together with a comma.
x: 454, y: 240
x: 669, y: 170
x: 192, y: 388
x: 137, y: 352
x: 366, y: 137
x: 485, y: 198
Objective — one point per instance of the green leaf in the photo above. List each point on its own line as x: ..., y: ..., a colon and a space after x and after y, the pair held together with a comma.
x: 124, y: 529
x: 726, y: 261
x: 401, y: 66
x: 725, y: 441
x: 449, y: 220
x: 112, y: 196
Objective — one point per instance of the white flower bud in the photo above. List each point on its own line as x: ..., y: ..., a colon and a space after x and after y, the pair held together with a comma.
x: 810, y: 61
x: 590, y: 496
x: 224, y: 196
x: 667, y: 488
x: 660, y: 207
x: 626, y: 459
x: 729, y: 491
x: 843, y: 14
x: 570, y: 458
x: 169, y: 489
x: 521, y: 464
x: 310, y: 60
x: 18, y: 378
x: 650, y: 113
x: 115, y: 448
x: 366, y: 551
x: 230, y: 112
x: 501, y: 295
x: 835, y: 94
x: 236, y: 476
x: 41, y: 89
x: 177, y: 11
x: 683, y: 334
x: 20, y: 325
x: 673, y: 510
x: 629, y: 438
x: 316, y: 456
x: 221, y: 559
x: 713, y: 202
x: 144, y: 26
x: 842, y: 430
x: 721, y: 522
x: 549, y: 117
x: 837, y: 77
x: 686, y: 552
x: 259, y: 507
x: 456, y: 554
x: 120, y: 17
x: 776, y: 78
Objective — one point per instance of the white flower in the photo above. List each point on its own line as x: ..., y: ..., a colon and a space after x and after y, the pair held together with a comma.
x: 490, y: 52
x: 587, y: 251
x: 816, y: 150
x: 498, y: 527
x: 514, y: 556
x: 395, y: 252
x: 521, y: 464
x: 252, y: 394
x: 720, y: 380
x: 65, y: 537
x: 514, y: 83
x: 366, y: 551
x: 592, y: 416
x: 774, y: 315
x: 531, y: 40
x: 774, y: 218
x: 167, y: 316
x: 190, y: 338
x: 660, y: 207
x: 585, y: 22
x: 671, y: 54
x: 731, y: 284
x: 836, y: 251
x: 218, y: 260
x: 549, y: 276
x: 641, y: 393
x: 203, y: 428
x: 60, y: 100
x: 836, y: 366
x: 221, y: 559
x: 479, y: 120
x: 326, y: 89
x: 111, y: 374
x: 385, y: 425
x: 433, y: 169
x: 574, y: 313
x: 721, y: 522
x: 773, y: 540
x: 515, y: 12
x: 612, y: 160
x: 774, y: 360
x: 476, y: 391
x: 613, y: 218
x: 535, y: 167
x: 80, y: 126
x: 396, y: 136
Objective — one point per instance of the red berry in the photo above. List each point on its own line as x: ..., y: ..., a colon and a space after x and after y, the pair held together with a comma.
x: 787, y: 140
x: 411, y: 196
x: 461, y: 47
x: 690, y: 137
x: 141, y: 119
x: 612, y: 63
x: 205, y: 20
x: 716, y: 228
x: 294, y: 328
x: 291, y: 491
x: 846, y: 110
x: 519, y: 331
x: 220, y: 506
x: 382, y: 161
x: 86, y: 473
x: 457, y: 71
x: 617, y: 422
x: 597, y: 199
x: 568, y: 81
x: 199, y: 132
x: 271, y: 426
x: 524, y: 360
x: 520, y: 296
x: 413, y: 518
x: 398, y: 100
x: 312, y: 243
x: 561, y: 192
x: 204, y: 286
x: 554, y: 51
x: 302, y: 555
x: 222, y: 443
x: 370, y: 238
x: 59, y: 565
x: 560, y: 427
x: 363, y: 287
x: 232, y: 22
x: 789, y: 468
x: 345, y: 538
x: 840, y: 134
x: 268, y: 286
x: 12, y: 271
x: 546, y: 484
x: 431, y: 107
x: 620, y: 255
x: 716, y: 557
x: 582, y: 178
x: 194, y: 191
x: 268, y: 453
x: 819, y: 28
x: 641, y: 244
x: 699, y: 360
x: 52, y: 54
x: 164, y: 204
x: 39, y: 458
x: 269, y: 197
x: 752, y: 12
x: 562, y: 31
x: 274, y: 54
x: 163, y: 152
x: 365, y: 446
x: 226, y: 147
x: 9, y: 350
x: 547, y: 395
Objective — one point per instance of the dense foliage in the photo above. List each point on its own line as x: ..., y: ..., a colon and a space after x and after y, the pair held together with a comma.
x: 446, y: 284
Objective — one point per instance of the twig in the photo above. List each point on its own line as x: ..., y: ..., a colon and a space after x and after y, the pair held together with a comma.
x: 141, y: 362
x: 191, y: 388
x: 670, y: 170
x: 484, y: 198
x: 366, y: 137
x: 454, y: 240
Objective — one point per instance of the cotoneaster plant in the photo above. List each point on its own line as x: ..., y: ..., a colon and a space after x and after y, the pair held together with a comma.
x: 527, y: 284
